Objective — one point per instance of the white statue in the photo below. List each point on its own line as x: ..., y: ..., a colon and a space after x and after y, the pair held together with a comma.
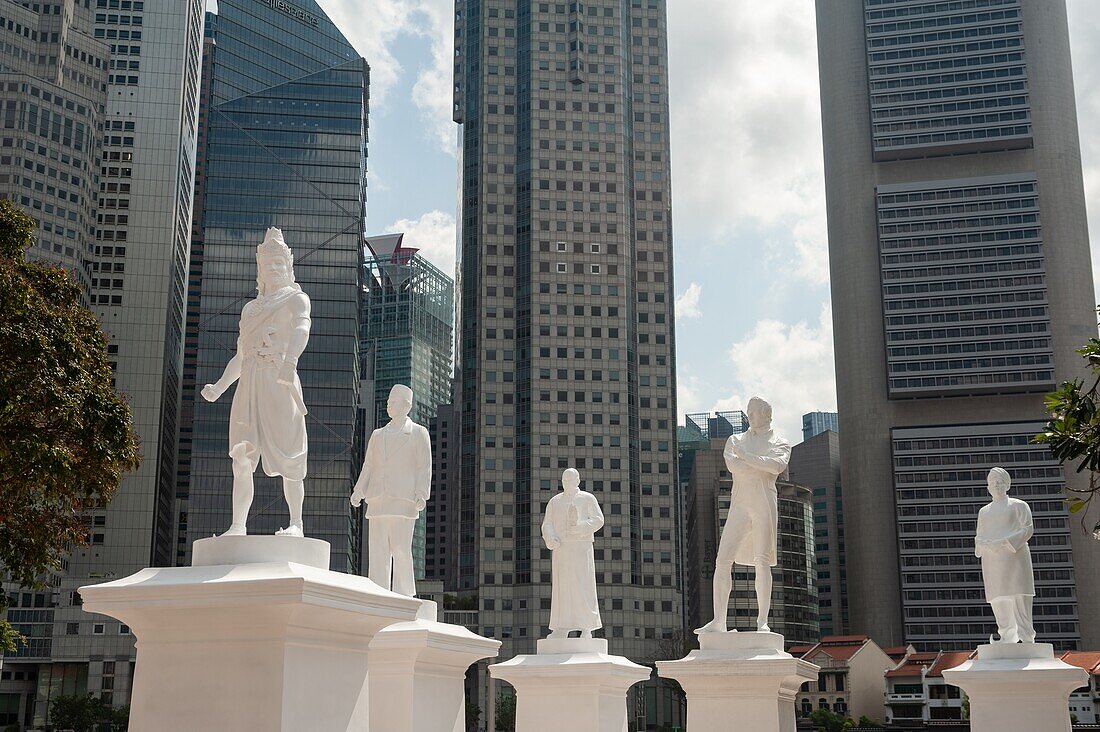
x: 750, y: 534
x: 267, y: 423
x: 1004, y: 526
x: 395, y: 482
x: 572, y: 518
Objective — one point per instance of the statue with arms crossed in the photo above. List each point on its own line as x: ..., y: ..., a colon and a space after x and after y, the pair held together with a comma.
x: 395, y: 482
x: 750, y: 535
x: 267, y: 423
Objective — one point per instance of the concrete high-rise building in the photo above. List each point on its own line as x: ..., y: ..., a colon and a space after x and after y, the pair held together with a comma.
x: 961, y: 286
x: 406, y: 336
x: 286, y: 147
x: 53, y: 89
x: 814, y: 423
x: 815, y: 463
x: 708, y: 490
x: 566, y: 335
x: 138, y: 269
x: 441, y: 514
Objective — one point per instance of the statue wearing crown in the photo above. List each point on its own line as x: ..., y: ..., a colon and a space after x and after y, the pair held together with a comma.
x: 267, y: 423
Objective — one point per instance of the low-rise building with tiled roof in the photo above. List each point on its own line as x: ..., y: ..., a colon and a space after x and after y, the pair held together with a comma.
x: 850, y: 680
x: 1084, y: 702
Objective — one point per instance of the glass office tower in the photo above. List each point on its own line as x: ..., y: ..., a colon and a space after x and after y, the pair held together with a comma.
x: 285, y: 146
x: 406, y: 336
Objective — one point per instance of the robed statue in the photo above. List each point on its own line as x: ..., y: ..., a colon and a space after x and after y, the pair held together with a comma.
x: 1004, y: 527
x: 572, y: 518
x: 267, y: 422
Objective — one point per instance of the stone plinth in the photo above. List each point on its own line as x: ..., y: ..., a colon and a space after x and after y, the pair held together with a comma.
x: 746, y: 677
x: 418, y: 668
x: 263, y: 646
x: 570, y: 684
x: 219, y: 550
x: 1017, y: 686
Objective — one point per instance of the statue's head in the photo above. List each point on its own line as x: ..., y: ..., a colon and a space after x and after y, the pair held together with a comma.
x: 571, y: 480
x: 998, y: 482
x: 274, y: 263
x: 400, y: 402
x: 759, y: 413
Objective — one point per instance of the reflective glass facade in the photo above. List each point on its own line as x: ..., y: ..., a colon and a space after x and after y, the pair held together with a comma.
x: 794, y: 611
x: 406, y: 336
x: 286, y: 147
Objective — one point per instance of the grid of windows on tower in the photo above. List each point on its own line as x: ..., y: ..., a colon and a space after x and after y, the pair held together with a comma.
x: 964, y: 287
x: 940, y: 484
x: 946, y: 78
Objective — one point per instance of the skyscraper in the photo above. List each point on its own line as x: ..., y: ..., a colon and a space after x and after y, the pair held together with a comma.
x: 53, y: 87
x: 961, y: 285
x: 406, y: 336
x: 566, y: 335
x: 285, y: 146
x: 815, y: 463
x: 814, y: 423
x: 143, y: 179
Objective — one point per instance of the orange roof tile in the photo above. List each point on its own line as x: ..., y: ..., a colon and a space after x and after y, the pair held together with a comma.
x: 913, y: 664
x: 1088, y: 660
x: 845, y: 639
x: 948, y: 660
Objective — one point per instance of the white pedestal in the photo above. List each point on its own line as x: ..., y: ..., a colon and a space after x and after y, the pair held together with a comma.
x: 746, y: 677
x: 1017, y: 686
x: 219, y: 550
x: 264, y: 646
x: 570, y: 684
x: 419, y: 668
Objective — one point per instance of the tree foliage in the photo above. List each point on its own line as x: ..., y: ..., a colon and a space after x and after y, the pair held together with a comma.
x: 66, y: 438
x: 826, y: 720
x: 506, y: 712
x: 473, y: 715
x: 1073, y: 432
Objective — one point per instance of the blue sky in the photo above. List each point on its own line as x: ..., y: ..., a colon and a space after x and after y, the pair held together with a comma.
x: 748, y: 188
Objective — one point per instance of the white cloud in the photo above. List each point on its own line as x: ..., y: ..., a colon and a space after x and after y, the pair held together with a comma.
x: 790, y: 365
x: 688, y: 397
x: 746, y: 130
x: 434, y: 234
x: 1084, y: 28
x: 687, y: 305
x: 432, y: 94
x: 374, y: 28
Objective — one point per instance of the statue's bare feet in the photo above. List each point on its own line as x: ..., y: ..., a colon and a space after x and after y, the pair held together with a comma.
x: 558, y: 634
x: 718, y: 625
x: 586, y: 634
x: 295, y: 529
x: 763, y: 628
x: 235, y: 530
